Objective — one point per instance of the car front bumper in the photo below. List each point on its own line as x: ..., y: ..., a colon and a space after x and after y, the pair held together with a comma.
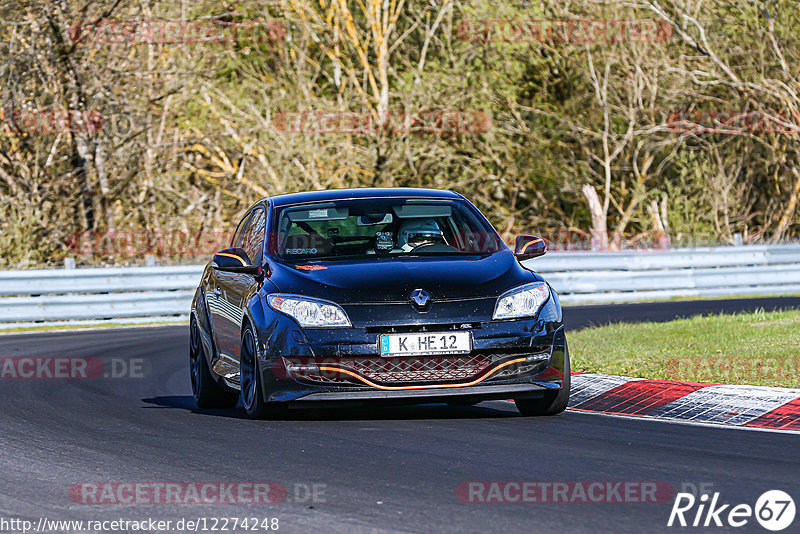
x: 520, y: 359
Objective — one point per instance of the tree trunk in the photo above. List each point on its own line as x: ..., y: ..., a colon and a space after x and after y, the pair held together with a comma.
x: 786, y: 218
x: 599, y: 240
x: 659, y: 223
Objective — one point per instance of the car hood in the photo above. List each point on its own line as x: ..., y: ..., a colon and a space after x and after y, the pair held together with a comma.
x: 385, y: 280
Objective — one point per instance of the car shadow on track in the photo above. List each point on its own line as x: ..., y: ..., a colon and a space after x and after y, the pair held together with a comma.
x: 486, y: 410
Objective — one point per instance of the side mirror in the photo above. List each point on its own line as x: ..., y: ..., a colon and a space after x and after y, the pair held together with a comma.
x: 235, y: 260
x: 529, y: 246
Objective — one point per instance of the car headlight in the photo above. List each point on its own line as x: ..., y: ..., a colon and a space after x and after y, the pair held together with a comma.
x: 523, y: 301
x: 308, y: 311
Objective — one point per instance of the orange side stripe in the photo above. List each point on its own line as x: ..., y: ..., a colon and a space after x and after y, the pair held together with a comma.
x: 399, y: 388
x: 232, y: 256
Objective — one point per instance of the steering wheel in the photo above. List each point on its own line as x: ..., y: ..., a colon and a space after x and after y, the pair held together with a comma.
x: 440, y: 247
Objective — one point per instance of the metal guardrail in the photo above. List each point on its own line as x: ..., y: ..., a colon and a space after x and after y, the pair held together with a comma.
x: 97, y: 293
x: 582, y: 277
x: 579, y: 277
x: 103, y: 306
x: 99, y: 280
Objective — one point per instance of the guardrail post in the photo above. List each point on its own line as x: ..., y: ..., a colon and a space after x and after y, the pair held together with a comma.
x: 69, y: 263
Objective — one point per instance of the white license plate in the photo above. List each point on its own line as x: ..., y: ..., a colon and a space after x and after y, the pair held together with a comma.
x: 426, y: 343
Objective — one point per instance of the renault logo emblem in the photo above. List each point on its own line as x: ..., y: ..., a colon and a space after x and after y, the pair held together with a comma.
x: 420, y: 298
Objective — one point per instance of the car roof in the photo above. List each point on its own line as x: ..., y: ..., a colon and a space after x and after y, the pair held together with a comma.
x: 364, y: 192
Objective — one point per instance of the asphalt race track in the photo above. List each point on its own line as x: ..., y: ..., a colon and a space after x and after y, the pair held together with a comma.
x: 376, y: 470
x: 593, y: 315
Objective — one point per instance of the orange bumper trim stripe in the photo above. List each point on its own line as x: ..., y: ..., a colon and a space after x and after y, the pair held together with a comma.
x: 441, y: 386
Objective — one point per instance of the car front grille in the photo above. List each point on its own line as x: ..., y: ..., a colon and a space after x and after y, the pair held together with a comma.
x: 419, y: 369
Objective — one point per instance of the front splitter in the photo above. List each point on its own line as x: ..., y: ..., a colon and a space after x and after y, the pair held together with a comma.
x: 487, y: 392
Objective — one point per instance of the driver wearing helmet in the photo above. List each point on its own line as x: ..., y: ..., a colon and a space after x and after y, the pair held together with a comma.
x: 419, y: 232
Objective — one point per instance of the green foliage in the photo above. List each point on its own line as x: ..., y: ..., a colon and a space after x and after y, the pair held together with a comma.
x: 24, y: 238
x: 192, y: 134
x: 690, y: 196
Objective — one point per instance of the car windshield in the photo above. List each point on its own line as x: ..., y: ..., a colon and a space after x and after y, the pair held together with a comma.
x: 369, y: 228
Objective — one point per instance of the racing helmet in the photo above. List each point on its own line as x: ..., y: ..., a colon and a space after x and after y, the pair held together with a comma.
x: 418, y: 231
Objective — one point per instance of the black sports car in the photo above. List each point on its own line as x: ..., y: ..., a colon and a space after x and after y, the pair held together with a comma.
x: 367, y: 295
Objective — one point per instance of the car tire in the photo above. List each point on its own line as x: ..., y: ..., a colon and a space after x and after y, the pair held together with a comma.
x: 552, y: 403
x: 252, y: 392
x: 207, y: 393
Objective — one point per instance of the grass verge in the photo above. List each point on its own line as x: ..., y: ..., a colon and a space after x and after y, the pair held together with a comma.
x: 758, y: 348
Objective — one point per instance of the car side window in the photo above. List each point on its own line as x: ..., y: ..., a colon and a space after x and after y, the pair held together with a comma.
x: 237, y: 236
x: 253, y: 237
